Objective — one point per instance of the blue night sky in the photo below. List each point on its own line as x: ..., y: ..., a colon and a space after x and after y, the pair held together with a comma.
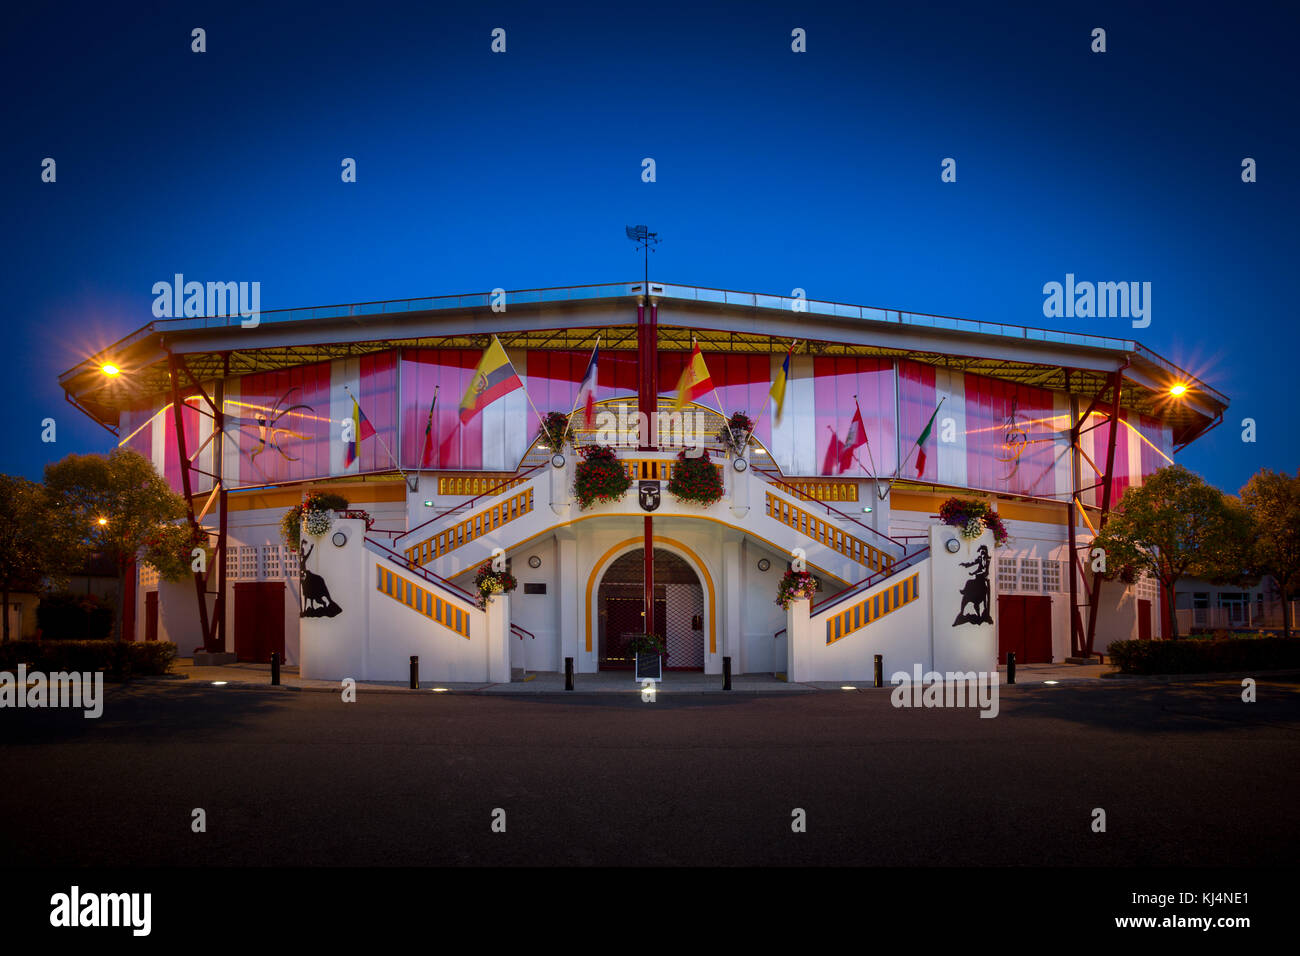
x: 775, y: 170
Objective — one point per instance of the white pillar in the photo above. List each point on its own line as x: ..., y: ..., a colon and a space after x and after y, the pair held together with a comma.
x: 561, y: 479
x: 798, y: 636
x: 498, y: 639
x: 570, y: 598
x: 732, y: 588
x: 738, y: 484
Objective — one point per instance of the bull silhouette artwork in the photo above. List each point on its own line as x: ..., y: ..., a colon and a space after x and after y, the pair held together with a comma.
x: 976, y: 591
x: 316, y: 600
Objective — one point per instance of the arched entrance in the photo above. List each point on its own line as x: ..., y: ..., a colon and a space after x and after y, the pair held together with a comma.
x: 679, y: 610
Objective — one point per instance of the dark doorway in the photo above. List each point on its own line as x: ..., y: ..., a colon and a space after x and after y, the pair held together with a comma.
x: 678, y: 611
x: 1025, y: 626
x: 1144, y: 619
x: 151, y: 616
x: 259, y: 620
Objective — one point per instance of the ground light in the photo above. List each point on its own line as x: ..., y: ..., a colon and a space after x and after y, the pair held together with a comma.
x: 219, y: 683
x: 1051, y: 682
x: 439, y: 690
x: 103, y: 521
x: 848, y: 687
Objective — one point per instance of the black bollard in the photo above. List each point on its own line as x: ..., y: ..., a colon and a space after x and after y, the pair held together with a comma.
x: 1011, y: 667
x: 275, y: 668
x: 726, y: 673
x: 880, y: 670
x: 568, y: 673
x: 415, y: 672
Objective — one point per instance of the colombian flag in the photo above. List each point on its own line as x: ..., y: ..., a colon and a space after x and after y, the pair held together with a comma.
x: 778, y: 387
x: 494, y: 377
x: 695, y: 380
x: 361, y: 430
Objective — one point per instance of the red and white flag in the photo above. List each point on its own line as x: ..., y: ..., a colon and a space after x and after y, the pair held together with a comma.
x: 856, y: 438
x: 587, y: 389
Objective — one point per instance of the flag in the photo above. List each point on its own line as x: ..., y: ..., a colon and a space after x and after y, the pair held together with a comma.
x: 920, y: 443
x: 778, y: 387
x: 494, y: 377
x: 587, y: 389
x: 695, y: 380
x: 856, y: 438
x: 426, y: 458
x: 361, y: 430
x: 831, y: 466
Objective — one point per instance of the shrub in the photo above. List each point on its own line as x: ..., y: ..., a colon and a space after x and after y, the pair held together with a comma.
x: 598, y: 476
x: 696, y: 480
x: 64, y: 616
x: 1205, y: 656
x: 972, y: 517
x: 119, y: 658
x: 316, y: 509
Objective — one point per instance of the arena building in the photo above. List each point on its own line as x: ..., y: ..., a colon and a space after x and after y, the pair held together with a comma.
x: 884, y: 415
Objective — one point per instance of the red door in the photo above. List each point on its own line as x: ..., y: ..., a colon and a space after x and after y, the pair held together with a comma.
x: 259, y: 620
x: 1025, y: 626
x: 151, y: 616
x: 1144, y: 620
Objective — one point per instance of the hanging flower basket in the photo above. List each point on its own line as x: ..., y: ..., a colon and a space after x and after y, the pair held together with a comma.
x: 695, y: 480
x: 795, y: 585
x: 598, y: 476
x: 735, y: 435
x: 489, y: 583
x: 312, y: 517
x: 972, y: 517
x: 554, y: 431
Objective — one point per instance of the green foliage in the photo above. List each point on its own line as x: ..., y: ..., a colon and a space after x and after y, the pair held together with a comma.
x: 63, y: 615
x: 1272, y: 500
x: 133, y: 501
x: 1175, y: 525
x: 1205, y: 656
x: 34, y: 544
x: 645, y: 643
x: 291, y: 523
x: 118, y: 658
x: 695, y: 480
x: 598, y: 476
x: 554, y: 430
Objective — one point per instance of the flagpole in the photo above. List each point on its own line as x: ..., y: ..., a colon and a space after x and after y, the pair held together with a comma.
x: 568, y: 425
x: 428, y: 435
x: 915, y: 446
x: 397, y: 463
x: 754, y: 427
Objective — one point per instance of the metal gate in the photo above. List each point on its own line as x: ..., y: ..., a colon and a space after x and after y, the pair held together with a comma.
x: 678, y: 611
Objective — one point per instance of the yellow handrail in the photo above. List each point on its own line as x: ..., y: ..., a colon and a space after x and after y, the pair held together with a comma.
x: 472, y: 527
x: 828, y: 534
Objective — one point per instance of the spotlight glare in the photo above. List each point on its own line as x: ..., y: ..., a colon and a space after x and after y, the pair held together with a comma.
x: 1178, y: 389
x: 108, y: 368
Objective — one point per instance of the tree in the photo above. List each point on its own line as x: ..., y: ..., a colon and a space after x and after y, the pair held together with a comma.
x: 1173, y: 526
x: 119, y: 506
x: 1273, y: 502
x: 33, y: 545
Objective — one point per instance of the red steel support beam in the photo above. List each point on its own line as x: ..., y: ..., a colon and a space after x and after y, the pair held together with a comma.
x: 200, y: 580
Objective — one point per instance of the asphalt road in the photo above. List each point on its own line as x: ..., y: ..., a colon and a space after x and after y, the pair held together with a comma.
x: 1186, y: 773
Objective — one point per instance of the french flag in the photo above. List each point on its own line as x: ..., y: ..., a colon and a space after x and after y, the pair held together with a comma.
x: 587, y: 389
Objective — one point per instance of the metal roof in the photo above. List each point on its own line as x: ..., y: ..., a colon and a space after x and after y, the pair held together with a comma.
x: 571, y: 317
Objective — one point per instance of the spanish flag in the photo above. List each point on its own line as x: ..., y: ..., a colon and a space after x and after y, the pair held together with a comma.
x: 494, y: 377
x: 695, y: 380
x: 778, y: 387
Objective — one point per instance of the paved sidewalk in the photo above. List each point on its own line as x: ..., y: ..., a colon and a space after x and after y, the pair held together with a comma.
x: 606, y: 682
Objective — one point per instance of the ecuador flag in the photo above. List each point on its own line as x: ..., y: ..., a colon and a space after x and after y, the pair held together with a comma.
x: 695, y: 380
x: 494, y: 377
x: 361, y: 430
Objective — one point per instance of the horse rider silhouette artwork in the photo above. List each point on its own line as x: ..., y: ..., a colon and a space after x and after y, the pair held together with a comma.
x: 316, y: 600
x: 975, y: 591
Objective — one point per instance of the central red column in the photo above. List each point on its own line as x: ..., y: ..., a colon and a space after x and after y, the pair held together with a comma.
x: 647, y: 324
